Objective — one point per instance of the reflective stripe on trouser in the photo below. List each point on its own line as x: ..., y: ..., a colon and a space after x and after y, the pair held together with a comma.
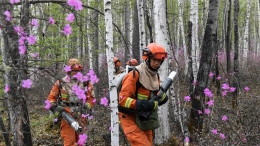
x: 68, y: 135
x: 133, y: 133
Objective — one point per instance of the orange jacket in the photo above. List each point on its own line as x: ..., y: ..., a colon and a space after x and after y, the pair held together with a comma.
x: 52, y: 97
x: 127, y: 95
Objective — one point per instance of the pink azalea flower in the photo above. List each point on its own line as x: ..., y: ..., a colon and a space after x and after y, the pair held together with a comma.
x: 14, y: 1
x: 26, y: 83
x: 22, y: 50
x: 35, y: 55
x: 207, y: 111
x: 94, y: 79
x: 85, y: 78
x: 94, y: 101
x: 224, y: 118
x: 31, y: 40
x: 211, y: 74
x: 110, y: 128
x: 67, y: 68
x: 104, y: 101
x: 51, y: 20
x: 19, y: 30
x: 91, y: 73
x: 194, y: 82
x: 224, y: 93
x: 47, y: 104
x: 214, y: 131
x: 210, y: 103
x: 7, y: 88
x: 78, y: 76
x: 246, y: 89
x: 77, y: 4
x: 222, y: 135
x: 208, y: 93
x: 34, y: 23
x: 219, y: 77
x: 55, y: 120
x: 187, y: 139
x: 21, y: 40
x: 225, y: 86
x: 232, y: 89
x: 187, y: 98
x: 67, y: 30
x: 70, y: 17
x: 82, y: 139
x: 7, y: 15
x: 199, y: 112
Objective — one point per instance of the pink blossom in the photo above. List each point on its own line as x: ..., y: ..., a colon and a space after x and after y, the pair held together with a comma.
x: 246, y: 89
x: 47, y: 104
x: 214, y: 131
x: 67, y: 30
x: 75, y: 3
x: 187, y: 139
x: 7, y: 15
x: 208, y: 93
x: 34, y: 23
x: 26, y: 83
x: 199, y: 112
x: 82, y: 139
x: 22, y: 50
x: 224, y: 118
x: 21, y: 40
x: 31, y: 40
x: 187, y: 98
x: 19, y: 30
x: 94, y: 79
x: 207, y: 111
x: 35, y: 55
x: 194, y: 82
x: 104, y: 101
x: 85, y: 78
x: 219, y: 77
x: 211, y: 74
x: 210, y: 103
x: 51, y: 20
x: 91, y: 73
x: 224, y: 93
x: 67, y: 68
x: 94, y: 101
x: 232, y: 89
x: 14, y: 1
x: 70, y: 17
x: 225, y: 86
x: 110, y: 128
x: 78, y: 76
x: 222, y: 135
x: 7, y: 88
x: 55, y: 120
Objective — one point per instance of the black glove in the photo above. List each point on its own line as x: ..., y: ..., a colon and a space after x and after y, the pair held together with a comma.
x: 145, y: 105
x: 56, y: 108
x: 163, y: 99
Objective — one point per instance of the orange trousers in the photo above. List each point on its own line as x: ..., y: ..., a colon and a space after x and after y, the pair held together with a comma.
x: 133, y: 133
x: 68, y: 134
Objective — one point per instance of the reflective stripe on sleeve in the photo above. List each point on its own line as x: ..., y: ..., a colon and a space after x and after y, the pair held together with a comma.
x: 142, y: 97
x: 128, y: 102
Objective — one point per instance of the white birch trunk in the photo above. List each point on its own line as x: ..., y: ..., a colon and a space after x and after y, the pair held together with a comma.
x: 162, y: 134
x: 140, y: 8
x: 244, y: 62
x: 112, y: 87
x: 89, y: 41
x: 194, y: 48
x: 186, y: 59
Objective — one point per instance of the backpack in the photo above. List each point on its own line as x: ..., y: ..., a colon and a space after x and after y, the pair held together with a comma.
x: 119, y: 80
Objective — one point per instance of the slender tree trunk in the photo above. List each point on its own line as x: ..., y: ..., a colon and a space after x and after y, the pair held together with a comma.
x: 209, y: 42
x: 135, y: 37
x: 228, y: 38
x: 140, y: 8
x: 112, y: 86
x: 246, y: 39
x: 236, y: 52
x: 162, y: 134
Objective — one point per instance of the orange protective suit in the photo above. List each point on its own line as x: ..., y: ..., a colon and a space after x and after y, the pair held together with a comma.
x: 68, y: 134
x: 127, y: 99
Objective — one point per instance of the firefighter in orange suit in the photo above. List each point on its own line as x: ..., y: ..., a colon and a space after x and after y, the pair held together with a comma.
x: 118, y: 68
x: 153, y: 56
x: 71, y: 101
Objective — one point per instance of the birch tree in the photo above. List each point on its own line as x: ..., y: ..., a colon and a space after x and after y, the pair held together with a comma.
x: 244, y: 62
x: 140, y: 8
x: 194, y: 47
x: 112, y: 86
x: 162, y: 134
